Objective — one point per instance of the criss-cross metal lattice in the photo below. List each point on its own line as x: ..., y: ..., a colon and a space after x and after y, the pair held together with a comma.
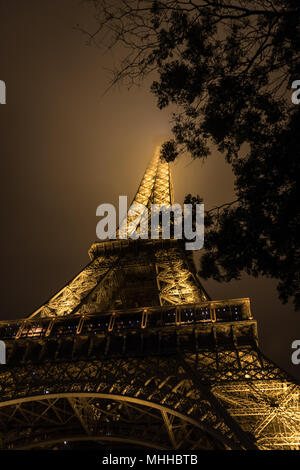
x: 132, y: 352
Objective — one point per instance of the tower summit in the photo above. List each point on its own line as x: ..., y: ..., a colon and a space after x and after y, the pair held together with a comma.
x: 133, y: 352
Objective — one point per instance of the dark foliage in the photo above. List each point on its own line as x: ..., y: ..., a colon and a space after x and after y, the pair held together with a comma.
x: 227, y: 66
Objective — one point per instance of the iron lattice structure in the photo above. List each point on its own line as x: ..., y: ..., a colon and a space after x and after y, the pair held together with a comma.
x: 132, y: 352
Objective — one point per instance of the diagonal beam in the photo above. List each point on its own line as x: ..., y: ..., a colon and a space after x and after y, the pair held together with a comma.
x: 169, y: 428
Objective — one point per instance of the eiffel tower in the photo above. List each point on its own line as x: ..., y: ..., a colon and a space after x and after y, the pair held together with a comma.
x: 132, y: 353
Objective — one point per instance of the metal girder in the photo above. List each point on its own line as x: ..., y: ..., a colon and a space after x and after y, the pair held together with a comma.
x: 96, y: 284
x: 169, y: 390
x: 176, y: 284
x: 178, y: 372
x: 110, y: 423
x: 75, y: 293
x: 263, y: 400
x: 240, y: 401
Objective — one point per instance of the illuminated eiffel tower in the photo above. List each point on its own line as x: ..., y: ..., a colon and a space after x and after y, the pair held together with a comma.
x: 133, y: 353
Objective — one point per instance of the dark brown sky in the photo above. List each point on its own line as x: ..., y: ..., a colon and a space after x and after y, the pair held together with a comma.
x: 65, y: 149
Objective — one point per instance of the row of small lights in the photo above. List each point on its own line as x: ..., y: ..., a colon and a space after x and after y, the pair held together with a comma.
x: 137, y: 322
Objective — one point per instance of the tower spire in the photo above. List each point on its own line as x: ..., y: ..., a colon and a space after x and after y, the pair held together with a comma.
x: 136, y: 331
x: 174, y: 284
x: 156, y: 185
x: 155, y: 188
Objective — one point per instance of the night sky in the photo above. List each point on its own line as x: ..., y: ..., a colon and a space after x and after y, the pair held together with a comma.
x: 67, y: 147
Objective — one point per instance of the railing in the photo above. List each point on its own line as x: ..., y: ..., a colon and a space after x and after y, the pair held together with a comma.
x: 153, y: 317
